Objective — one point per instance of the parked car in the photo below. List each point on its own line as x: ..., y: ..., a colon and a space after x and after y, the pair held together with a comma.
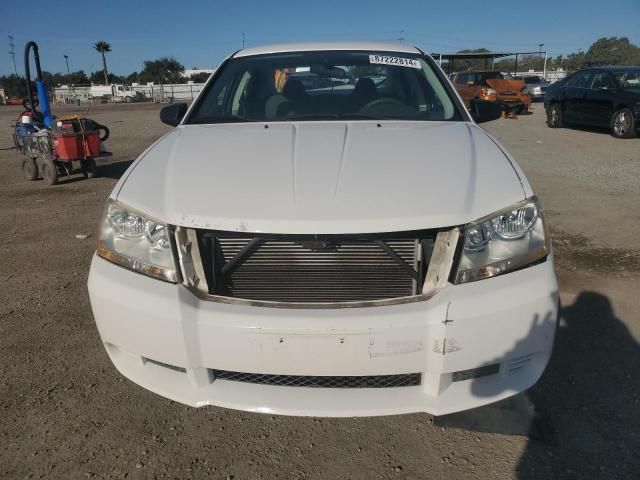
x: 493, y: 86
x: 535, y: 86
x: 14, y: 101
x: 606, y: 97
x: 315, y: 253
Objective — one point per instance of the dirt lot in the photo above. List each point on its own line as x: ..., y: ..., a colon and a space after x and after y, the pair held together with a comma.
x: 67, y: 413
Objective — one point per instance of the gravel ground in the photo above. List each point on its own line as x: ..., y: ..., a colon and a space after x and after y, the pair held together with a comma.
x: 67, y: 413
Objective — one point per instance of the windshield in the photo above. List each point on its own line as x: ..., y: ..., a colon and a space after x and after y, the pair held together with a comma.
x: 497, y: 76
x: 628, y: 79
x: 533, y: 80
x: 325, y: 85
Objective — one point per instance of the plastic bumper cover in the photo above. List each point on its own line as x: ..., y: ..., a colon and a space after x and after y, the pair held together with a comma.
x: 508, y: 321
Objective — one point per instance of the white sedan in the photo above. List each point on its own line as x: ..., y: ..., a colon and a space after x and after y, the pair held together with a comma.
x: 326, y: 232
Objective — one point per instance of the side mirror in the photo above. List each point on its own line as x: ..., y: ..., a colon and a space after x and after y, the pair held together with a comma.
x: 484, y: 111
x: 173, y: 114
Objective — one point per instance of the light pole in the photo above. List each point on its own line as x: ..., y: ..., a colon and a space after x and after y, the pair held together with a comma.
x: 66, y: 59
x: 13, y: 54
x: 540, y: 45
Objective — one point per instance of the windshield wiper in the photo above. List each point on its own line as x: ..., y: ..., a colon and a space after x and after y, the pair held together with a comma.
x: 221, y: 119
x: 331, y: 116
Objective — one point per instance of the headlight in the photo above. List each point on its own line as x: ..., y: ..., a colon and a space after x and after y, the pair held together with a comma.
x: 136, y: 242
x: 487, y: 91
x: 503, y: 242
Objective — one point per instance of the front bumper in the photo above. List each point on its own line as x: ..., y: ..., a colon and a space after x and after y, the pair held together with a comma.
x: 536, y: 95
x: 512, y: 99
x: 508, y: 321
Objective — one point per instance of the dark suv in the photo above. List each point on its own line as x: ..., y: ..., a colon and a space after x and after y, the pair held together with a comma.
x: 601, y: 97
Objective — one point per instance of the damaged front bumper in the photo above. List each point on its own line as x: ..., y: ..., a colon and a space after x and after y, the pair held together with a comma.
x: 471, y: 344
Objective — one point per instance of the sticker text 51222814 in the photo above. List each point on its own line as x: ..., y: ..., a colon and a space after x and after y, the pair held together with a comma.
x: 397, y: 61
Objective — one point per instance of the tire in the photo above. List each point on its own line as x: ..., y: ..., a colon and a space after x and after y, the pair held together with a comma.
x: 554, y: 116
x: 104, y: 137
x: 127, y: 100
x: 623, y: 124
x: 49, y: 172
x: 89, y: 168
x: 30, y: 169
x: 523, y: 109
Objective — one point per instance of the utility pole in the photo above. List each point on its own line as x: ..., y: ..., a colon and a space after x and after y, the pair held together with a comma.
x: 242, y: 39
x: 13, y: 54
x: 401, y: 38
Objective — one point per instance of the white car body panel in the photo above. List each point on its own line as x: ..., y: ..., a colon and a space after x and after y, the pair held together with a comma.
x: 508, y: 319
x: 325, y: 46
x: 329, y: 177
x: 323, y: 177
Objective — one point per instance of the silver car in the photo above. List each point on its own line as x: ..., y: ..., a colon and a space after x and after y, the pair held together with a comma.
x: 535, y: 86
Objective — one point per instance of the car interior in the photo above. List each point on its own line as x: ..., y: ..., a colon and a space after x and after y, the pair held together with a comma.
x: 264, y: 91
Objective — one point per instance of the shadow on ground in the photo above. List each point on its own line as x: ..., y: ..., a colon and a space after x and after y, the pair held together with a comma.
x: 583, y: 416
x: 114, y: 170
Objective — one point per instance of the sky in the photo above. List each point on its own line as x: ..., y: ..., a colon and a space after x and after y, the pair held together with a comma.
x: 202, y: 33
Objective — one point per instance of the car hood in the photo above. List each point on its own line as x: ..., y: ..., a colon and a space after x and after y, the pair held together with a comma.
x: 322, y: 177
x: 502, y: 86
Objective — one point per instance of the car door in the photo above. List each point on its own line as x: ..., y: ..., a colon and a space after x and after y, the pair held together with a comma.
x: 599, y: 101
x: 465, y: 91
x: 575, y: 95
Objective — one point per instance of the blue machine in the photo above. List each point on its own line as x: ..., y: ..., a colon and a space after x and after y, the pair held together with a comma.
x: 45, y: 115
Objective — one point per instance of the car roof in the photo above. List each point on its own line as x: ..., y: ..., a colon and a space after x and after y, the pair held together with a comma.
x: 614, y: 68
x: 327, y: 46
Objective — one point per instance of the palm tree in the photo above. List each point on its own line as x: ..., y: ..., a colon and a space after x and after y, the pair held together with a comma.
x: 103, y: 47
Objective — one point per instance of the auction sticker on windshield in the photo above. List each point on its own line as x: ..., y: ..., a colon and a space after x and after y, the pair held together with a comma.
x: 399, y: 61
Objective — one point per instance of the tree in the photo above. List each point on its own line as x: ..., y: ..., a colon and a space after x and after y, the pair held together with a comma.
x: 471, y: 63
x: 103, y: 47
x: 200, y: 77
x: 13, y: 85
x: 133, y: 77
x: 612, y: 51
x: 98, y: 76
x: 162, y: 70
x: 575, y: 61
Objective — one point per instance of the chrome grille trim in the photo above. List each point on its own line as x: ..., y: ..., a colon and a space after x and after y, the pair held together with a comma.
x: 369, y: 381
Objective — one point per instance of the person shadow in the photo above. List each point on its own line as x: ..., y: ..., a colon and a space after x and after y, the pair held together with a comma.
x: 582, y: 418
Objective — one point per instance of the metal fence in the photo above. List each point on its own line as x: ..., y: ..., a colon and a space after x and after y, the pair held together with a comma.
x: 550, y: 75
x: 143, y: 93
x: 168, y: 93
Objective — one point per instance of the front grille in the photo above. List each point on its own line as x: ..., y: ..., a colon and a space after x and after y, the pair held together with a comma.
x: 371, y: 381
x: 302, y: 269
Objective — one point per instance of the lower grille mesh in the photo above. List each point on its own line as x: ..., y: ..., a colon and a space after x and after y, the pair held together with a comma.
x: 373, y: 381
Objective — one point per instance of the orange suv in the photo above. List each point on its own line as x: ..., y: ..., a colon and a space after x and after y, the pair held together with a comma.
x: 493, y: 86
